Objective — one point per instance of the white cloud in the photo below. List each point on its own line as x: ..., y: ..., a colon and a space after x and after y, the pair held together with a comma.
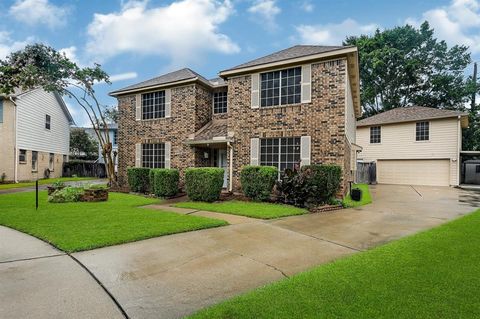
x: 456, y: 23
x: 123, y: 76
x: 71, y: 54
x: 267, y: 10
x: 182, y: 30
x: 307, y: 6
x: 36, y: 12
x: 8, y: 45
x: 332, y: 34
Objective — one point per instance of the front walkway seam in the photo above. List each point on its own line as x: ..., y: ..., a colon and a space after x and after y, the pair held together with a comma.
x: 258, y: 261
x: 416, y: 191
x: 115, y: 301
x: 31, y: 258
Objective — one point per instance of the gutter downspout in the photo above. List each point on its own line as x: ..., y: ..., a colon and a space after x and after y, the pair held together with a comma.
x: 230, y: 171
x: 15, y: 150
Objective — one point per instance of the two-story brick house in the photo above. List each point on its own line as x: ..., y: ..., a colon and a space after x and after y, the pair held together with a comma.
x: 295, y: 106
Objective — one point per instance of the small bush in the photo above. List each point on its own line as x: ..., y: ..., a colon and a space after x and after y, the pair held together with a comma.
x: 165, y: 182
x: 204, y: 183
x: 138, y: 179
x: 258, y: 181
x: 310, y: 185
x: 66, y: 195
x: 151, y: 181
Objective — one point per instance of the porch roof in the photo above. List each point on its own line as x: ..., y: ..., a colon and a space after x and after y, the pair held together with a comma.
x: 213, y: 132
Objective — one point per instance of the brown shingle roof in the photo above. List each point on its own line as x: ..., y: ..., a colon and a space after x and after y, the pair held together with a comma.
x: 214, y: 128
x: 172, y: 77
x: 408, y: 114
x: 296, y: 51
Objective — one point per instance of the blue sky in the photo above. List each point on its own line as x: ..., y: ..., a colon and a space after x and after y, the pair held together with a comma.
x: 137, y: 40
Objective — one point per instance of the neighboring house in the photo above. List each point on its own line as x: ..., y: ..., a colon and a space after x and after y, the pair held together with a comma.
x: 35, y: 132
x: 113, y: 134
x: 414, y: 145
x: 295, y: 106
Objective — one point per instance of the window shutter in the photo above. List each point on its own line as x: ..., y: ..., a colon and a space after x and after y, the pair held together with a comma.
x: 306, y: 89
x: 255, y: 91
x: 168, y: 151
x: 254, y: 150
x: 138, y: 107
x: 305, y: 150
x: 138, y: 155
x: 168, y: 102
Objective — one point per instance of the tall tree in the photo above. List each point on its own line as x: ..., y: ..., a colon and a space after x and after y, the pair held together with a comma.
x: 82, y: 144
x: 39, y: 65
x: 406, y: 66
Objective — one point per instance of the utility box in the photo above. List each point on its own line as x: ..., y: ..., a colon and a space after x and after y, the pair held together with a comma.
x: 472, y: 172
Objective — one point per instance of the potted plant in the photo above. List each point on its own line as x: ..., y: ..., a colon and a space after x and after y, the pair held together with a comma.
x: 55, y: 186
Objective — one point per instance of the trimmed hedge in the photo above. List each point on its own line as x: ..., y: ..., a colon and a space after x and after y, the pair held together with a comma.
x: 310, y: 185
x: 204, y: 183
x: 138, y: 179
x: 165, y: 182
x: 258, y: 181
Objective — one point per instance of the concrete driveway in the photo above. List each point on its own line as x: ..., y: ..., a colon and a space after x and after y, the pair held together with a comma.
x: 172, y: 276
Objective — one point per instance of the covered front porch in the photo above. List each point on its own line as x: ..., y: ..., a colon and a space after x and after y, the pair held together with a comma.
x: 213, y: 148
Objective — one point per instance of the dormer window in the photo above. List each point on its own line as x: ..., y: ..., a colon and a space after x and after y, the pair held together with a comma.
x: 219, y: 102
x: 153, y: 105
x: 281, y: 87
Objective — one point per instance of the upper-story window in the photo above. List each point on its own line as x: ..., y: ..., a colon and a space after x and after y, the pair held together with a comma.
x: 375, y: 134
x: 115, y: 137
x: 422, y: 132
x: 219, y: 102
x: 48, y: 120
x: 153, y: 105
x: 280, y: 87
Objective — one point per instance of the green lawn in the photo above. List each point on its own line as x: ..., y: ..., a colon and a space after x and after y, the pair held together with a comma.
x: 435, y: 274
x: 249, y: 209
x: 366, y: 197
x: 45, y: 182
x: 81, y: 226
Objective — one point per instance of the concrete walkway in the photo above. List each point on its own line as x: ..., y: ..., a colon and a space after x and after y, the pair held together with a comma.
x: 38, y: 281
x: 173, y: 276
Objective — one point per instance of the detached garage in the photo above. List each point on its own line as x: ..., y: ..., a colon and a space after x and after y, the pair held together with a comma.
x: 413, y: 145
x: 414, y: 172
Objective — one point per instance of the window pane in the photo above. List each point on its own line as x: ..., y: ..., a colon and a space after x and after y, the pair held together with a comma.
x: 153, y: 155
x: 153, y: 105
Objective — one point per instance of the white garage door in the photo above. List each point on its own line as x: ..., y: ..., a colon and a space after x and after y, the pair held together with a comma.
x: 414, y: 172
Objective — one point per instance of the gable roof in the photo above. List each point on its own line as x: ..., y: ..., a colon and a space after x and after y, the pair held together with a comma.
x: 409, y: 114
x: 182, y: 75
x: 289, y: 53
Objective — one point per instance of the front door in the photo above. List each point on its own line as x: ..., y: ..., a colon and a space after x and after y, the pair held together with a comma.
x: 222, y: 162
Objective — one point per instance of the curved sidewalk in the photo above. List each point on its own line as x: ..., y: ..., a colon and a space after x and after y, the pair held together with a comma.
x: 39, y: 281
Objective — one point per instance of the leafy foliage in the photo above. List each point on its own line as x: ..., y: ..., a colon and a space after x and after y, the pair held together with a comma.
x: 165, y: 182
x: 204, y: 183
x: 471, y: 135
x: 310, y: 185
x: 406, y: 66
x: 82, y: 145
x: 258, y: 181
x: 66, y: 195
x: 139, y: 179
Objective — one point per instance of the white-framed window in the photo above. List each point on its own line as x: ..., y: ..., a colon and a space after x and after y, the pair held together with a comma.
x: 282, y: 152
x: 115, y: 137
x: 422, y: 131
x: 375, y: 134
x: 153, y: 155
x: 220, y: 102
x: 153, y: 105
x: 51, y: 161
x: 281, y: 87
x: 22, y: 156
x: 48, y: 121
x: 34, y: 161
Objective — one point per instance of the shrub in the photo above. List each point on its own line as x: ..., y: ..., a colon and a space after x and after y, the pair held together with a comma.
x: 165, y: 182
x: 138, y: 179
x: 151, y: 177
x: 310, y: 185
x: 67, y: 194
x: 204, y: 183
x: 258, y: 181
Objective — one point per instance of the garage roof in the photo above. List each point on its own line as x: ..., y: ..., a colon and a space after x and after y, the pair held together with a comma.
x: 411, y: 114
